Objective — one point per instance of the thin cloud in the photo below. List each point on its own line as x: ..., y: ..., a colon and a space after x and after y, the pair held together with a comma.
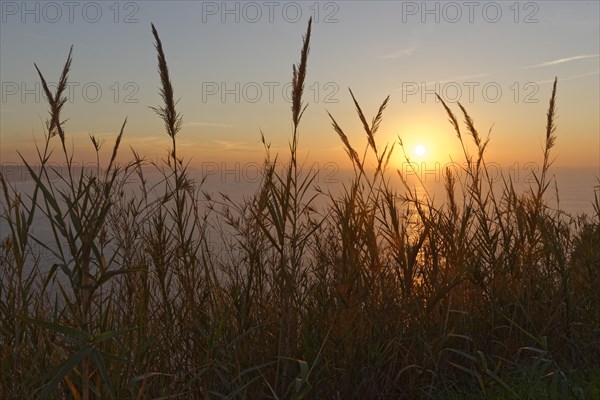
x: 569, y: 78
x: 227, y: 145
x: 208, y: 124
x: 154, y: 140
x: 461, y: 78
x: 98, y: 134
x: 562, y: 61
x: 398, y: 54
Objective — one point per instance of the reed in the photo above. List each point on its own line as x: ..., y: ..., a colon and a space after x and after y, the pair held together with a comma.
x: 380, y: 294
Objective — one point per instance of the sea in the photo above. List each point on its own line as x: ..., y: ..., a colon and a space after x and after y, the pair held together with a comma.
x: 572, y: 190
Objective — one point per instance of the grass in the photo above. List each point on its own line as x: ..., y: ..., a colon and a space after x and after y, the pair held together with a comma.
x: 382, y: 294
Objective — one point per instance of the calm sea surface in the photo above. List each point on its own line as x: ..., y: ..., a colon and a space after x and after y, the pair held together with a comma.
x: 576, y: 188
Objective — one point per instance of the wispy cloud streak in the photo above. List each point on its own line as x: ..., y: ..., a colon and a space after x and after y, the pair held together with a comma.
x: 562, y: 61
x: 569, y: 78
x: 209, y: 124
x: 398, y: 54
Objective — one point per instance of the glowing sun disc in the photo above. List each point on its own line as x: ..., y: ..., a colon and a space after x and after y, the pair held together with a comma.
x: 420, y: 150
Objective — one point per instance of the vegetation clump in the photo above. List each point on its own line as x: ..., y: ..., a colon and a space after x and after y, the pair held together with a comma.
x: 383, y: 294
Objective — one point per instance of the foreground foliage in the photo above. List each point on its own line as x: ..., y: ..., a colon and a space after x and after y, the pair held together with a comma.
x: 381, y: 294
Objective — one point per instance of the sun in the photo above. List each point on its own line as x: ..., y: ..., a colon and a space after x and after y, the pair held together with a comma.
x: 420, y: 150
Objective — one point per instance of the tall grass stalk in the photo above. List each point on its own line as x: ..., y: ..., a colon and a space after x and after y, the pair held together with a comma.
x: 152, y: 287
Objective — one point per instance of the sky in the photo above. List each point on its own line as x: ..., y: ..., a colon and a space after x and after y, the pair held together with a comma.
x: 231, y: 64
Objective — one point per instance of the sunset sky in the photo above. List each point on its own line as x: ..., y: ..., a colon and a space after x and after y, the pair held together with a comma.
x: 231, y: 62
